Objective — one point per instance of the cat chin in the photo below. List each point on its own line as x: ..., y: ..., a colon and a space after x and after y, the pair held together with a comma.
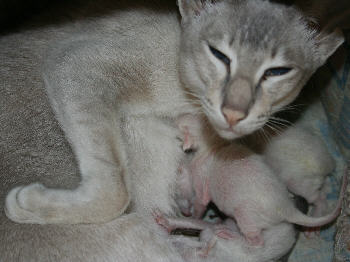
x: 228, y: 134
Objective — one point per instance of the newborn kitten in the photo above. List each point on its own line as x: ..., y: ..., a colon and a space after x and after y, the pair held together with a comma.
x: 302, y: 161
x: 243, y: 187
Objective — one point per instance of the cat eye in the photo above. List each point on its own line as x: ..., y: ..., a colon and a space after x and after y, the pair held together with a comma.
x: 219, y: 55
x: 277, y: 71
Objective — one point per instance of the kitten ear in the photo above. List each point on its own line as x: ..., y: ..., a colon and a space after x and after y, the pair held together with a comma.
x: 191, y: 8
x: 327, y: 43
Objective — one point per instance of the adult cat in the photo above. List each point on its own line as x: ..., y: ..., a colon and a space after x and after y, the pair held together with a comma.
x: 118, y: 82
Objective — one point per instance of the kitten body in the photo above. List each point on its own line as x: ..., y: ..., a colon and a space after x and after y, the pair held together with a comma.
x: 237, y: 181
x: 302, y: 162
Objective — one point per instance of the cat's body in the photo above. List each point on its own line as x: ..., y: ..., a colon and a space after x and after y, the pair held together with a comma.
x: 33, y: 148
x: 129, y: 238
x: 114, y: 86
x: 134, y: 114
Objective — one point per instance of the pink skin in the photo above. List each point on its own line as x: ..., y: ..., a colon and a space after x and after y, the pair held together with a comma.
x: 244, y: 187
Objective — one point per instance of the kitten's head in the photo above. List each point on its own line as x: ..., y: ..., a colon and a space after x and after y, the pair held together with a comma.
x: 247, y: 59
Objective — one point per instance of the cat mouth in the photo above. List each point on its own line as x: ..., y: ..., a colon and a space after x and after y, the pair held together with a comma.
x: 224, y: 130
x: 230, y: 129
x: 228, y: 133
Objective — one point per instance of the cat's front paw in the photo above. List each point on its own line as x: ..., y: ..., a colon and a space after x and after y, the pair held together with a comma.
x: 21, y: 202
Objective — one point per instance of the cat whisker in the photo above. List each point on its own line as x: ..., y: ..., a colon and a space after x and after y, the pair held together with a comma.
x: 264, y: 135
x: 274, y: 128
x: 295, y: 108
x: 280, y: 120
x: 278, y: 123
x: 298, y: 106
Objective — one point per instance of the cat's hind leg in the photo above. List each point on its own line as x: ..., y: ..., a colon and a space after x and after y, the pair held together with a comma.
x: 101, y: 195
x: 91, y: 202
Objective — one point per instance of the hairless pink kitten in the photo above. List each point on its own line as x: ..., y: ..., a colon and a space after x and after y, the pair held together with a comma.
x: 241, y: 185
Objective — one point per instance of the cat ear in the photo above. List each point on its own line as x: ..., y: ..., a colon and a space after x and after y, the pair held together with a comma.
x: 327, y: 43
x: 191, y: 8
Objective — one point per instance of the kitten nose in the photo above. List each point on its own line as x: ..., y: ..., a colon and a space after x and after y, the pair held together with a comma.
x: 233, y: 116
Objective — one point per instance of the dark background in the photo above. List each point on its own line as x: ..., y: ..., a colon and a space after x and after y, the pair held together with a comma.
x: 16, y: 13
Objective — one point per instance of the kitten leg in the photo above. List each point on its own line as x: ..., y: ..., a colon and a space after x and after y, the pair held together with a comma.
x: 252, y: 234
x: 320, y: 204
x: 225, y: 230
x: 207, y: 237
x: 202, y: 198
x: 320, y: 207
x: 184, y: 194
x: 208, y: 240
x: 101, y: 195
x: 170, y: 223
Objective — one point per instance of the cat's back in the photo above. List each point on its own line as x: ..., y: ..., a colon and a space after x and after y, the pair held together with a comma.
x: 129, y: 55
x: 119, y: 27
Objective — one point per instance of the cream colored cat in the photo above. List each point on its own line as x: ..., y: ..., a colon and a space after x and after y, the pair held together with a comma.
x: 117, y: 87
x: 116, y: 83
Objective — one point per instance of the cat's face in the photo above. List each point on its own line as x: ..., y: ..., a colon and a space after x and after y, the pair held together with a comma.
x: 245, y: 60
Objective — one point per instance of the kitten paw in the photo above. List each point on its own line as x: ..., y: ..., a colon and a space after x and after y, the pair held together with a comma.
x: 255, y: 239
x: 18, y: 204
x: 225, y: 233
x: 311, y: 233
x: 162, y: 221
x: 209, y: 240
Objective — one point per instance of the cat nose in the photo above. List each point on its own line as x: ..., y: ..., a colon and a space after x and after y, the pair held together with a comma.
x: 233, y: 116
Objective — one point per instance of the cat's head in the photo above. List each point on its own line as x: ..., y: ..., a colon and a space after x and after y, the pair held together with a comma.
x: 247, y: 59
